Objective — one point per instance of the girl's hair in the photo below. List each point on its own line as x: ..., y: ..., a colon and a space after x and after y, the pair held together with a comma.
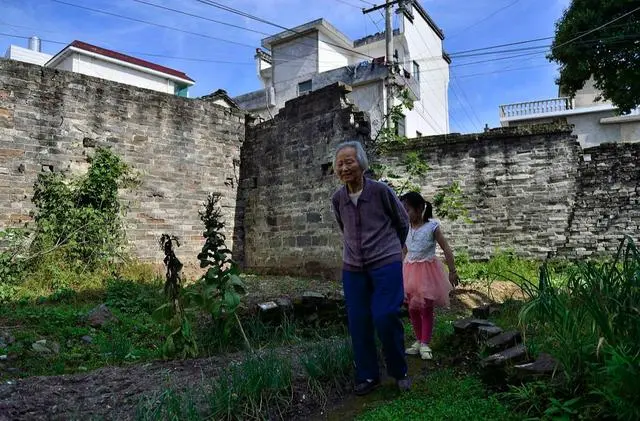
x: 416, y: 201
x: 361, y: 155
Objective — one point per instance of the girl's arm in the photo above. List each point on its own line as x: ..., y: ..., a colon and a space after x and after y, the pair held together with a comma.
x: 448, y: 255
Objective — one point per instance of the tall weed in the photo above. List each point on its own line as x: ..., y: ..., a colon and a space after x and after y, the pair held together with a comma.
x: 593, y: 329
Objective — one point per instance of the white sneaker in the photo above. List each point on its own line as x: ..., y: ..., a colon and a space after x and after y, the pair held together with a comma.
x: 425, y: 352
x: 413, y: 349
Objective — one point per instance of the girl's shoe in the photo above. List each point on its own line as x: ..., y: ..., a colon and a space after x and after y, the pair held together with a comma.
x: 425, y: 352
x: 413, y: 349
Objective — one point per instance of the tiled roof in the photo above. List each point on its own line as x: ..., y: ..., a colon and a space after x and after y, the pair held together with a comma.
x: 129, y: 59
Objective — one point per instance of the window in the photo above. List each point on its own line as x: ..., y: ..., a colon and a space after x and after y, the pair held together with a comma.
x: 416, y: 71
x: 304, y: 87
x: 181, y: 90
x: 400, y: 127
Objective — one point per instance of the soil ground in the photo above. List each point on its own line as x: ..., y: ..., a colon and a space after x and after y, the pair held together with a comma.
x: 114, y: 392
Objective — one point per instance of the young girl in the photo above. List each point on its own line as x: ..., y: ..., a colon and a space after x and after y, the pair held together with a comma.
x: 426, y: 283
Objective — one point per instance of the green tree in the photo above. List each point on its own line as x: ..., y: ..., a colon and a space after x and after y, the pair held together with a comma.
x: 610, y: 54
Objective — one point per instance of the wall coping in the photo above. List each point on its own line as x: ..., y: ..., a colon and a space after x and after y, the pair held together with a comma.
x: 501, y: 133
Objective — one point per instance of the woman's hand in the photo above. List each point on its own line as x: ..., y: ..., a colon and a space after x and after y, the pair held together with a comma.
x: 454, y: 279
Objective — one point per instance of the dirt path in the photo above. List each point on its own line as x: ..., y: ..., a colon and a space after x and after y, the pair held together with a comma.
x: 107, y: 393
x: 113, y: 393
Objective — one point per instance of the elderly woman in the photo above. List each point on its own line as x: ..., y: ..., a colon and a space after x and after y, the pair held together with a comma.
x: 374, y: 225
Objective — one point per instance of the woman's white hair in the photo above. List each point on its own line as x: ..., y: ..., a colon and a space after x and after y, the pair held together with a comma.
x: 361, y: 155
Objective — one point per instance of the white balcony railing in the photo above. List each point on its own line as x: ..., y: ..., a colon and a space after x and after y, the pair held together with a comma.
x: 535, y: 107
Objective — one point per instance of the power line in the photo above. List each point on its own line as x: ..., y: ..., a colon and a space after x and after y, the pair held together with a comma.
x: 349, y: 4
x: 158, y: 6
x: 597, y: 29
x: 164, y: 26
x: 492, y: 14
x: 141, y: 53
x: 548, y: 46
x: 265, y: 21
x: 172, y: 28
x: 500, y: 46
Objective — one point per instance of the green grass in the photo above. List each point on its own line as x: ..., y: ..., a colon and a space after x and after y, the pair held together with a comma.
x: 258, y: 388
x: 328, y: 365
x: 132, y: 296
x: 443, y: 395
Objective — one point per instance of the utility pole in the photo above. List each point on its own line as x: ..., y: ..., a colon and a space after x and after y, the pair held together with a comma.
x: 388, y: 6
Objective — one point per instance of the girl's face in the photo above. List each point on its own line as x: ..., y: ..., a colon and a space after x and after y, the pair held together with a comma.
x: 415, y: 215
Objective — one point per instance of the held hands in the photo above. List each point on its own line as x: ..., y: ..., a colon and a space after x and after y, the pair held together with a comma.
x: 454, y: 279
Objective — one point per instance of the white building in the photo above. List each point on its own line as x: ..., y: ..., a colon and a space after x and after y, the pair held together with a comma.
x: 594, y: 121
x: 80, y: 57
x: 317, y: 54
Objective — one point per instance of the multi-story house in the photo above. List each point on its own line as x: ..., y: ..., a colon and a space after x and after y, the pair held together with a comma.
x: 316, y: 54
x: 91, y: 60
x: 594, y: 121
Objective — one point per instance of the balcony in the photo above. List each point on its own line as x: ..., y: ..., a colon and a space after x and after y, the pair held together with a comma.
x: 535, y: 108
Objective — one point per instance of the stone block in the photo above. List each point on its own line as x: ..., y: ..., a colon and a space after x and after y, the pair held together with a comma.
x: 508, y: 357
x: 544, y: 365
x: 464, y: 326
x: 503, y: 340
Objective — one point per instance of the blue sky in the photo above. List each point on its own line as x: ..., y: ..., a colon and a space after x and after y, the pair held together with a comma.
x: 476, y: 89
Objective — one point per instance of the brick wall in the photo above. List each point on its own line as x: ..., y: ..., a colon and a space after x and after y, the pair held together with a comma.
x: 182, y: 148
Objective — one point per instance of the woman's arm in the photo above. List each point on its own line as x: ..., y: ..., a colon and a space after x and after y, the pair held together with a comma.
x: 448, y: 256
x: 397, y: 213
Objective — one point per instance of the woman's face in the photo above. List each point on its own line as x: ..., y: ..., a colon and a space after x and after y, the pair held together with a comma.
x: 347, y: 166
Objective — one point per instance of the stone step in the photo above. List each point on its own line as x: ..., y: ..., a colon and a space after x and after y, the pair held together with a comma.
x: 544, y: 365
x: 503, y: 340
x: 470, y: 325
x: 511, y: 356
x: 488, y: 332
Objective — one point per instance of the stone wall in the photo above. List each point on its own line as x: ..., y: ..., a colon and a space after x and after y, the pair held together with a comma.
x: 182, y: 148
x: 531, y: 189
x: 607, y: 203
x: 519, y: 186
x: 284, y: 221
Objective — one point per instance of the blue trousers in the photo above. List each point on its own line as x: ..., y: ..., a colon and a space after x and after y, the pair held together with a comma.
x: 374, y: 298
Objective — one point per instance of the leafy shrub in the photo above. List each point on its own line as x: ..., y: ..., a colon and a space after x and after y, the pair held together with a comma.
x: 12, y: 260
x: 82, y: 216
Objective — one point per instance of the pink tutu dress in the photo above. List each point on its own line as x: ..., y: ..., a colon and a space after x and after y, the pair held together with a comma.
x: 426, y: 281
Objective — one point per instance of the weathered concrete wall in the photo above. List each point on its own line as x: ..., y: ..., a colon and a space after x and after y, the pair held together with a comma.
x: 183, y: 149
x: 285, y: 223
